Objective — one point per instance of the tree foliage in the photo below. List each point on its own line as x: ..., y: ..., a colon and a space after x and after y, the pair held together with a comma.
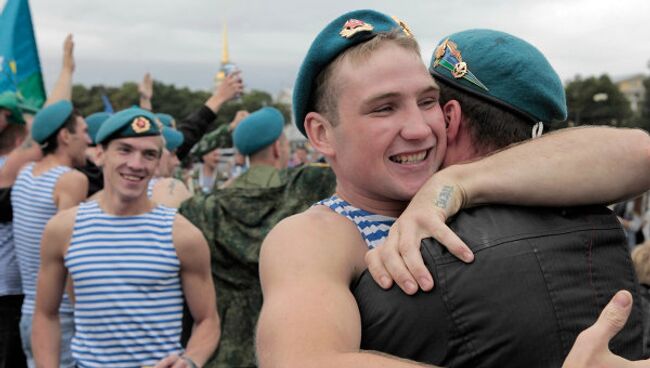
x: 597, y: 101
x: 167, y: 98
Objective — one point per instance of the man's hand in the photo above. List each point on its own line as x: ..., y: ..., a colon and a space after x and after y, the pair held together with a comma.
x: 241, y: 114
x: 399, y: 258
x: 228, y: 89
x: 591, y: 347
x: 145, y: 88
x: 175, y: 361
x: 68, y: 54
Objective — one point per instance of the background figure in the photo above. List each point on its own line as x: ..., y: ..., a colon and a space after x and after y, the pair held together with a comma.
x: 641, y: 261
x: 632, y: 217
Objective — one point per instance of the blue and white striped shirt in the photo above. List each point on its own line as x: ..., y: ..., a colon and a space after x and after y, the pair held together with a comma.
x: 128, y: 295
x: 373, y: 228
x: 33, y: 205
x: 9, y: 273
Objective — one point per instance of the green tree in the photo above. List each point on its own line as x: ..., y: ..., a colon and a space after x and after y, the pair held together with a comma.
x: 644, y: 106
x: 597, y: 101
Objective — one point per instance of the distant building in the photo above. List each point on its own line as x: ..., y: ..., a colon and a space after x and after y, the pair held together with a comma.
x: 632, y: 88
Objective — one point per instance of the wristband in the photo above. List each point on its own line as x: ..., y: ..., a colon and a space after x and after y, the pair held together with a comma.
x: 189, y: 361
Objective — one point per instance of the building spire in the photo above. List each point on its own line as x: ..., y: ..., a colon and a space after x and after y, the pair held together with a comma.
x: 224, y: 51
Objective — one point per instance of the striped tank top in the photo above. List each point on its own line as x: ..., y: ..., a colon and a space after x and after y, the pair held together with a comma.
x: 33, y: 205
x: 129, y: 300
x: 150, y: 185
x: 9, y: 274
x: 373, y: 228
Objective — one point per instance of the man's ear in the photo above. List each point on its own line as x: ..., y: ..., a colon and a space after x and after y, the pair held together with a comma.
x: 453, y: 116
x: 319, y: 132
x: 63, y: 136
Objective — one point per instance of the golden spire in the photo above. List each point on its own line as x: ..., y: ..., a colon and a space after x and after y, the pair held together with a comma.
x: 224, y: 51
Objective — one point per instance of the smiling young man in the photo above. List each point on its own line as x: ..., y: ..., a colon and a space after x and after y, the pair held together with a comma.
x: 368, y: 104
x: 131, y: 263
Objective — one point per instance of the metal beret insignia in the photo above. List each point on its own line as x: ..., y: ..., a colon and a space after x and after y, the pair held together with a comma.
x: 405, y: 27
x: 449, y: 57
x: 354, y: 26
x: 140, y: 125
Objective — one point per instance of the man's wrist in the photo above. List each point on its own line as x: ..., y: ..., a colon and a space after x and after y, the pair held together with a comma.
x: 189, y: 361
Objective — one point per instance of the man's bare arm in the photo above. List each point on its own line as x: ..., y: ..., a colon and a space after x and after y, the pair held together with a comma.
x: 578, y: 166
x: 46, y: 331
x: 70, y: 190
x: 170, y: 192
x: 198, y: 288
x: 63, y: 86
x: 310, y: 317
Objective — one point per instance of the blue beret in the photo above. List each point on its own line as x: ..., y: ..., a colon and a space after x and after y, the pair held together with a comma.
x: 167, y: 120
x: 503, y: 69
x: 50, y: 119
x: 258, y: 130
x: 350, y: 29
x: 95, y: 121
x: 131, y: 122
x: 173, y: 138
x: 9, y: 101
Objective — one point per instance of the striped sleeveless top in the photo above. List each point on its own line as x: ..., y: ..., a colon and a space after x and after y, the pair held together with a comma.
x: 9, y: 273
x: 150, y: 186
x: 33, y: 205
x: 373, y: 228
x: 129, y: 300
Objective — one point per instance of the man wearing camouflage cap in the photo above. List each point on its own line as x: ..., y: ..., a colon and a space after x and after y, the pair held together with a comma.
x: 539, y: 273
x: 367, y: 103
x: 236, y: 219
x: 132, y: 263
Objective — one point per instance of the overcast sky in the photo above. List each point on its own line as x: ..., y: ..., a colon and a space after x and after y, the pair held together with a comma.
x: 180, y: 41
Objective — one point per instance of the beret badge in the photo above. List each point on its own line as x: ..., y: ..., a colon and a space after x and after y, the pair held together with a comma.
x: 404, y: 26
x: 354, y: 26
x: 140, y: 125
x: 449, y: 57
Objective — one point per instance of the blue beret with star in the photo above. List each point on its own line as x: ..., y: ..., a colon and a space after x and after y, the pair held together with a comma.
x: 258, y: 130
x: 166, y: 120
x: 50, y: 119
x: 9, y: 101
x: 94, y: 122
x: 501, y: 69
x: 131, y: 122
x: 173, y: 138
x: 348, y: 30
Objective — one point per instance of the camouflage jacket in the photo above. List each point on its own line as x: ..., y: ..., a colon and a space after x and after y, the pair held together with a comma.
x: 235, y: 221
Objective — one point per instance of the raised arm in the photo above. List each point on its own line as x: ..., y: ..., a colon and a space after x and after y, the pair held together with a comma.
x: 145, y: 89
x: 309, y: 316
x: 578, y: 166
x: 63, y: 86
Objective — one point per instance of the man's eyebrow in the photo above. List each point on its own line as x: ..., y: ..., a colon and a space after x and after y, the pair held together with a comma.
x: 373, y: 99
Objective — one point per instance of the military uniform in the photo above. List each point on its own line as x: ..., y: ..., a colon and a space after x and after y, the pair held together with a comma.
x: 235, y: 221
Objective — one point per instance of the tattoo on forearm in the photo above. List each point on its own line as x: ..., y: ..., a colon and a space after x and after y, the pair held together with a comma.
x: 172, y: 185
x: 445, y: 195
x: 27, y: 143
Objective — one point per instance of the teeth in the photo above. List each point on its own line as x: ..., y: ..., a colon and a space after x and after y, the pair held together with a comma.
x: 409, y: 158
x: 131, y: 177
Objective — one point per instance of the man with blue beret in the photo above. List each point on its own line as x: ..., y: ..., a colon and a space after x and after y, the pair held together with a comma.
x: 131, y: 261
x: 42, y: 189
x: 236, y: 218
x: 538, y: 274
x: 368, y: 104
x: 91, y: 169
x: 163, y: 187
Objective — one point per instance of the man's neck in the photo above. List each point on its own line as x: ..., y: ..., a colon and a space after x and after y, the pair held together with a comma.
x: 379, y: 206
x: 113, y: 204
x: 51, y: 160
x: 208, y: 170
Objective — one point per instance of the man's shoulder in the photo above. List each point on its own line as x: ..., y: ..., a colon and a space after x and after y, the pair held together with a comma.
x: 63, y: 221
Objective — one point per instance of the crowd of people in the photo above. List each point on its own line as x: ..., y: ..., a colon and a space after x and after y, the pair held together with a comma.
x: 112, y: 254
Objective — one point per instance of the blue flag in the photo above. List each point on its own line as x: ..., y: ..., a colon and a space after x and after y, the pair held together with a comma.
x: 20, y: 68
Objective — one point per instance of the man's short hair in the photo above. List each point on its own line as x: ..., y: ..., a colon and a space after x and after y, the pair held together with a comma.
x: 10, y: 135
x: 492, y: 127
x: 51, y: 144
x: 326, y: 88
